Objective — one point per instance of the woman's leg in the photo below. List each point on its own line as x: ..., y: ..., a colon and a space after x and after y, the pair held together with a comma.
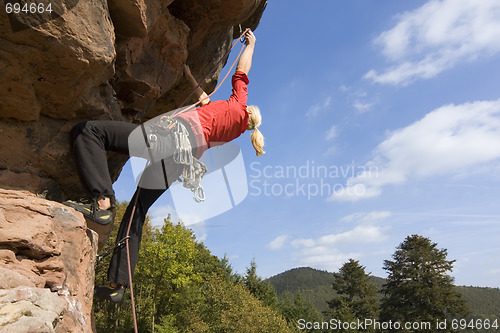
x: 91, y: 140
x: 118, y: 268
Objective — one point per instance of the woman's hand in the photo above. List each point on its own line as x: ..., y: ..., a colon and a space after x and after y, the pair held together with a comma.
x: 250, y: 38
x: 245, y: 61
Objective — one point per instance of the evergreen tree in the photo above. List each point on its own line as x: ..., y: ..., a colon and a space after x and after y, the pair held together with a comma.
x: 298, y: 308
x: 418, y: 289
x: 356, y: 295
x: 262, y: 290
x: 227, y: 271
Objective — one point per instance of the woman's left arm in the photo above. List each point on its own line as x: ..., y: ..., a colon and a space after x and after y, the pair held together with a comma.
x: 200, y: 94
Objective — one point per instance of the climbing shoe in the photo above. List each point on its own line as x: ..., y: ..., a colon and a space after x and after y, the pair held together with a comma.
x: 91, y: 210
x: 114, y: 295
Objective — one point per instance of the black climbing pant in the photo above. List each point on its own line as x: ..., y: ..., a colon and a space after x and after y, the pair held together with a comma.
x: 91, y: 140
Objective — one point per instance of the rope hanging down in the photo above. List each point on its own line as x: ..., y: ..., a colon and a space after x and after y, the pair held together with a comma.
x: 127, y: 237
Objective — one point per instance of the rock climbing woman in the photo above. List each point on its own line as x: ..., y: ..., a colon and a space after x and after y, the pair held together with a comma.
x: 212, y: 123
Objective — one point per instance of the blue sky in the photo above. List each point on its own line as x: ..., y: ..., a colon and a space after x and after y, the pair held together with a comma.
x: 382, y: 120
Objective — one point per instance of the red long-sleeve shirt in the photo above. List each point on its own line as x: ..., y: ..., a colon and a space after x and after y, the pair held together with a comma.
x: 221, y: 121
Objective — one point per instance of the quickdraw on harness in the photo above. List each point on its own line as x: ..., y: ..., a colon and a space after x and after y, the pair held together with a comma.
x: 104, y: 254
x: 193, y: 169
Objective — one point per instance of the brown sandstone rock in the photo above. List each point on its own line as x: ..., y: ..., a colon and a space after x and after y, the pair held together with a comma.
x: 26, y: 309
x: 61, y: 68
x: 147, y: 67
x: 50, y: 68
x: 47, y: 260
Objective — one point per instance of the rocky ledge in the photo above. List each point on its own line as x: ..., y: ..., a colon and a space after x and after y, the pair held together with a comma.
x: 47, y: 259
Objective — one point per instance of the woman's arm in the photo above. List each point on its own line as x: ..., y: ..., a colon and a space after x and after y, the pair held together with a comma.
x: 245, y: 61
x: 199, y: 93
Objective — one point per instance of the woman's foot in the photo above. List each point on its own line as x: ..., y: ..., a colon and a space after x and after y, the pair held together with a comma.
x: 114, y: 293
x: 100, y: 211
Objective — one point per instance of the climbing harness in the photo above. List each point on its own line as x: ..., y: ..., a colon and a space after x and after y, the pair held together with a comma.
x: 191, y: 169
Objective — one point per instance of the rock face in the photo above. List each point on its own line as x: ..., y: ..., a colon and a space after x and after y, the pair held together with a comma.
x: 47, y: 259
x: 101, y: 59
x: 83, y: 60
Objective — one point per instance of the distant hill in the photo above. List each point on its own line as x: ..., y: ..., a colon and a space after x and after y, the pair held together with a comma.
x: 316, y: 286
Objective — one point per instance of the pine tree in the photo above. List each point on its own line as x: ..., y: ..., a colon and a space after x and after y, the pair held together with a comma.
x: 295, y: 308
x: 418, y: 289
x: 262, y: 290
x: 356, y: 295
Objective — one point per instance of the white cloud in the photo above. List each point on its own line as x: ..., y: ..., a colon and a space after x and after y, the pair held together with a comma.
x: 359, y: 99
x: 438, y: 36
x: 366, y: 217
x: 360, y: 234
x: 332, y: 150
x: 495, y: 271
x: 316, y: 109
x: 202, y: 237
x: 303, y: 242
x: 325, y: 258
x: 453, y: 139
x: 277, y: 243
x: 362, y: 107
x: 355, y: 192
x: 331, y: 133
x: 159, y: 213
x: 326, y: 251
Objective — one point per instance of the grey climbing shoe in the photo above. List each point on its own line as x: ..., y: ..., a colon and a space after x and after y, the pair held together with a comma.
x: 114, y: 295
x: 90, y: 209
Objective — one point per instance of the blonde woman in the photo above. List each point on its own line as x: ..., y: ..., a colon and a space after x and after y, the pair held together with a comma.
x: 211, y: 124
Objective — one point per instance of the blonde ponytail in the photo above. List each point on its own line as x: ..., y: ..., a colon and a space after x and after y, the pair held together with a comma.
x: 257, y: 141
x: 254, y: 121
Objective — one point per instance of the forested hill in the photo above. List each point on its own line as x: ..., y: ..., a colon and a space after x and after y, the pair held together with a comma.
x: 316, y: 287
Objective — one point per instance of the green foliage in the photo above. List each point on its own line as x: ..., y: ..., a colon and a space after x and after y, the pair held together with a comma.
x: 483, y: 302
x: 418, y: 288
x: 295, y: 308
x: 356, y: 296
x: 314, y: 285
x: 227, y: 271
x: 227, y: 307
x: 180, y: 287
x: 262, y: 290
x: 301, y: 278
